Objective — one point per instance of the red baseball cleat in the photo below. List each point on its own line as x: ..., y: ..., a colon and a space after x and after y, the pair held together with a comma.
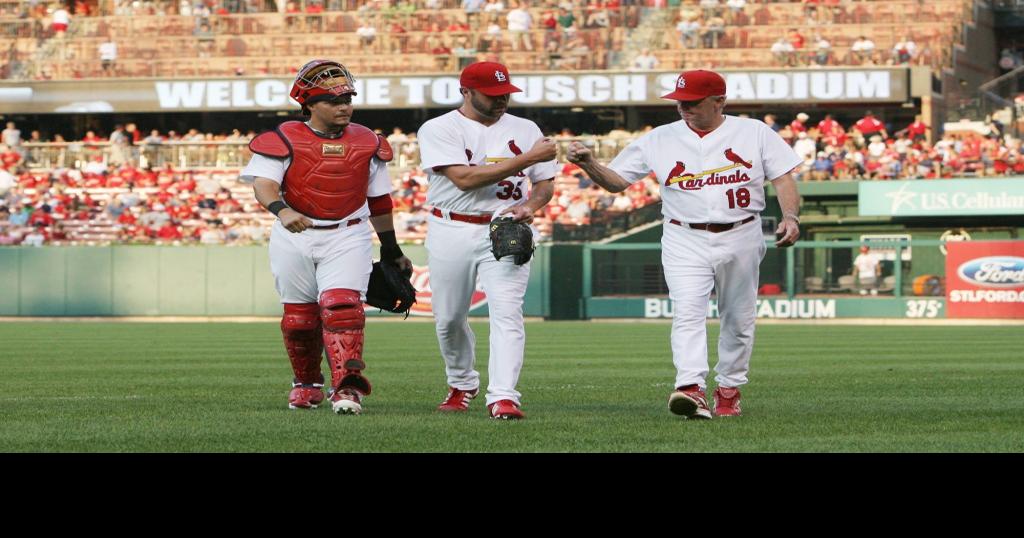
x: 727, y: 402
x: 457, y: 399
x: 690, y: 402
x: 305, y: 396
x: 347, y: 402
x: 505, y: 410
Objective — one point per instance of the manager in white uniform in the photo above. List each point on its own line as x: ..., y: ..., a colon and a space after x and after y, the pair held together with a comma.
x: 711, y: 169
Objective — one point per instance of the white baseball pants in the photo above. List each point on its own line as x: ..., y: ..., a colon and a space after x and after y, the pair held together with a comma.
x: 697, y: 261
x: 458, y: 254
x: 307, y: 263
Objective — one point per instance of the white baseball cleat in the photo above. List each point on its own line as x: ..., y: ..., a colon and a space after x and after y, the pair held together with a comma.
x: 690, y: 402
x: 346, y: 402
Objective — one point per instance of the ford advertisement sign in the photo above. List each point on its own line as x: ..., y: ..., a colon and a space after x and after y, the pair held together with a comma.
x: 985, y: 279
x: 994, y: 272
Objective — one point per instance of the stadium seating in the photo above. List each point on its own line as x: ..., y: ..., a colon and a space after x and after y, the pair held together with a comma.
x: 429, y: 40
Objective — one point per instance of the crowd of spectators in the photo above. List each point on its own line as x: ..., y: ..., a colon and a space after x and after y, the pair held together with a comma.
x: 869, y: 149
x: 113, y: 198
x: 118, y: 198
x: 445, y: 35
x: 703, y: 24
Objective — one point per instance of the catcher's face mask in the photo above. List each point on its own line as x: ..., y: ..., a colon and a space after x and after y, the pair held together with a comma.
x: 322, y: 78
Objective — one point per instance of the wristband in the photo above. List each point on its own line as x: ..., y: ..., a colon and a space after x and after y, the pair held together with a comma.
x: 389, y: 249
x: 276, y: 207
x: 791, y: 216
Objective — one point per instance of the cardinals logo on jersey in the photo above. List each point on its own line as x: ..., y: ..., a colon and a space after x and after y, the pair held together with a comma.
x: 677, y: 172
x: 687, y: 181
x: 515, y: 151
x: 733, y: 157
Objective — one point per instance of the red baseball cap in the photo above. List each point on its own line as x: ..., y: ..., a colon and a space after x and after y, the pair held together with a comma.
x: 488, y: 78
x: 697, y: 84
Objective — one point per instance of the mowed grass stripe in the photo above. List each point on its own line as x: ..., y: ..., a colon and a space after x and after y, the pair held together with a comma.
x: 586, y: 387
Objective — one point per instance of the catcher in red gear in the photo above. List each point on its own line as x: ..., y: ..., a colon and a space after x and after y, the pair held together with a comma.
x: 324, y: 179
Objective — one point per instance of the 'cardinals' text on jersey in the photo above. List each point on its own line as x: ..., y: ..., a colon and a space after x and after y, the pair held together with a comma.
x: 716, y: 178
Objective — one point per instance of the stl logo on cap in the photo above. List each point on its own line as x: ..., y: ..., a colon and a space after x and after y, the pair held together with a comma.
x: 489, y: 78
x: 697, y: 84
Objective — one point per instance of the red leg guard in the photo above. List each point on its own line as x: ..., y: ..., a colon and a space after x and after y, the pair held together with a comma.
x: 300, y: 326
x: 343, y: 320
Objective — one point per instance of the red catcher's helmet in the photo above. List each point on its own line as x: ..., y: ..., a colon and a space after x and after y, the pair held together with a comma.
x: 322, y: 78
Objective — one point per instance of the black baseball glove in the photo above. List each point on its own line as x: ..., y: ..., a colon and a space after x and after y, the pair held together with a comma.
x: 509, y: 237
x: 390, y: 289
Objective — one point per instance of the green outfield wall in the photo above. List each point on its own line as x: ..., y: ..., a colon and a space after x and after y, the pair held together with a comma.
x: 172, y: 281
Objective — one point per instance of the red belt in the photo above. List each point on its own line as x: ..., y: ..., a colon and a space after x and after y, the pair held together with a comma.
x: 713, y: 227
x: 352, y: 222
x: 472, y: 219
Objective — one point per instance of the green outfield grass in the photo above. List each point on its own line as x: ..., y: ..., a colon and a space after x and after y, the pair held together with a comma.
x: 87, y: 387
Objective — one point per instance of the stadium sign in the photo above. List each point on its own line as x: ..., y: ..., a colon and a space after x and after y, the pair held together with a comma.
x: 590, y: 88
x: 941, y: 198
x: 840, y: 307
x: 985, y: 279
x: 766, y: 308
x: 424, y: 296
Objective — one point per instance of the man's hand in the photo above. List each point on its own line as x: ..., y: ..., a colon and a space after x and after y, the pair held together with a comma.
x: 543, y: 150
x: 294, y: 221
x: 405, y: 264
x: 578, y: 153
x: 787, y: 233
x: 520, y: 213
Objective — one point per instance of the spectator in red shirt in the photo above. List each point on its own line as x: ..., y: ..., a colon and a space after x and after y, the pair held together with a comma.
x: 146, y: 178
x: 917, y: 130
x: 90, y: 138
x: 41, y: 216
x: 58, y: 233
x: 27, y: 181
x: 180, y: 212
x: 829, y: 126
x: 126, y: 218
x: 9, y: 158
x: 797, y: 39
x: 799, y: 125
x: 869, y: 125
x: 169, y: 231
x: 116, y: 181
x: 459, y: 25
x: 187, y: 184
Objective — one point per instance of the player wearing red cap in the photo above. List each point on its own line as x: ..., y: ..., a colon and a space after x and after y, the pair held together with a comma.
x: 323, y: 179
x: 712, y: 169
x: 482, y: 163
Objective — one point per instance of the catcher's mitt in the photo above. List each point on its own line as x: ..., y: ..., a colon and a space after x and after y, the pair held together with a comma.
x: 390, y: 289
x: 509, y: 237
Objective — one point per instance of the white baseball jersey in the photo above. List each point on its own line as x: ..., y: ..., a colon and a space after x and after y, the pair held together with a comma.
x: 454, y: 139
x: 274, y: 170
x: 715, y: 178
x: 867, y: 266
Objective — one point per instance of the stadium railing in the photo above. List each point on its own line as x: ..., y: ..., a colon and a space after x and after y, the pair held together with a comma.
x: 605, y: 224
x: 225, y: 154
x: 807, y: 268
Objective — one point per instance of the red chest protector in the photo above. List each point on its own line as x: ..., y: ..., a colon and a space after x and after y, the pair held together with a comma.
x: 328, y: 177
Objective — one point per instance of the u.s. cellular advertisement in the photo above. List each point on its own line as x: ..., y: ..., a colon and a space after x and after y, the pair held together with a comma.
x: 985, y: 279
